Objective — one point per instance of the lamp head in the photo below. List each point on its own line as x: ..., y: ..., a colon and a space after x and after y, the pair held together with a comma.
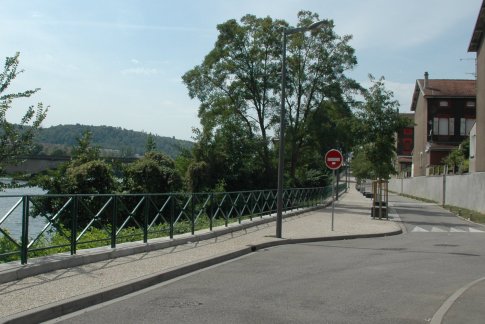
x: 313, y: 26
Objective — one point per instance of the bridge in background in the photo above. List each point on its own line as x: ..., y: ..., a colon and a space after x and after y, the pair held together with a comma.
x: 39, y: 163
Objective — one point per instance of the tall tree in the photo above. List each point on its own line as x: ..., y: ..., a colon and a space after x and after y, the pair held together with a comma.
x: 378, y: 122
x: 318, y: 89
x: 239, y: 82
x: 16, y: 139
x: 240, y: 78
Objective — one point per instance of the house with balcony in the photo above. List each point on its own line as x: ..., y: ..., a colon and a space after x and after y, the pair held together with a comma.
x: 404, y: 147
x: 477, y: 138
x: 444, y: 114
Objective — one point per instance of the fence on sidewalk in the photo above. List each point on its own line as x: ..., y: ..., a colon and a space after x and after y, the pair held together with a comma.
x: 74, y: 222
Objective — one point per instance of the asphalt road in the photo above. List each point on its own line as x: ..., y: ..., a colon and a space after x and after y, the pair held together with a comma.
x: 401, y: 279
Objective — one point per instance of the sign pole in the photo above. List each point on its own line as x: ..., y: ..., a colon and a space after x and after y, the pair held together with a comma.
x: 333, y: 198
x: 333, y: 161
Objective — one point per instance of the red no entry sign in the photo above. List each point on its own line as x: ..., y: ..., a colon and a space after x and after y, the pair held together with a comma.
x: 334, y: 159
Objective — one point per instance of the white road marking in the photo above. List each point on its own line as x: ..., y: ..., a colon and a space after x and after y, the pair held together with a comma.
x: 457, y: 230
x: 438, y: 316
x: 436, y: 229
x: 418, y: 229
x: 474, y: 230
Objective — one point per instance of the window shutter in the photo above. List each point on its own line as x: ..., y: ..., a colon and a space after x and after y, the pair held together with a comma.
x: 443, y: 128
x: 469, y: 125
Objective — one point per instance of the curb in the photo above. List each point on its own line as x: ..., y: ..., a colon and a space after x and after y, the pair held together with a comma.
x: 55, y: 310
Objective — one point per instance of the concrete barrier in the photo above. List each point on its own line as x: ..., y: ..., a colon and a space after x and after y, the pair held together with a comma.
x: 465, y: 191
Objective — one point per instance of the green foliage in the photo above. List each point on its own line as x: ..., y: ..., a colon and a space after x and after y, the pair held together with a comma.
x: 84, y: 174
x: 84, y: 152
x: 318, y: 91
x: 153, y: 173
x: 229, y: 155
x: 238, y: 80
x: 182, y: 164
x: 16, y: 139
x: 458, y: 159
x: 361, y: 164
x: 198, y: 176
x: 239, y: 87
x: 125, y: 142
x: 94, y: 177
x: 376, y: 126
x: 150, y: 144
x: 7, y: 245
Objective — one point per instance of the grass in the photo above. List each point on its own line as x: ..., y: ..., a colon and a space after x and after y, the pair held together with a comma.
x: 468, y: 214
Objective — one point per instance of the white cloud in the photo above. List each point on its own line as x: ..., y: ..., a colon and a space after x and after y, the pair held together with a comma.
x: 135, y: 61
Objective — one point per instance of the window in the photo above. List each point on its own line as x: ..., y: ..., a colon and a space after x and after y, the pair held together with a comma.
x: 443, y: 126
x: 470, y: 103
x: 466, y: 125
x: 407, y: 145
x: 443, y: 103
x: 408, y: 131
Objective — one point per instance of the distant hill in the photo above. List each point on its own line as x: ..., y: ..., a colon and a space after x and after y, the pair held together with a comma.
x: 114, y: 141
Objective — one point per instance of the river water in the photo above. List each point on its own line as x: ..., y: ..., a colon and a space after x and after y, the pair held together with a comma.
x: 13, y: 223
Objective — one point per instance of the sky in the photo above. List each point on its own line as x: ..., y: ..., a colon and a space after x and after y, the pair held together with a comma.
x: 120, y: 62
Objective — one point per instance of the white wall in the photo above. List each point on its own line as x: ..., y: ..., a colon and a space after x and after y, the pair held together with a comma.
x: 466, y: 191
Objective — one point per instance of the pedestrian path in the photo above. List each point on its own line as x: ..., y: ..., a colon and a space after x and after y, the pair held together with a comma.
x: 58, y: 292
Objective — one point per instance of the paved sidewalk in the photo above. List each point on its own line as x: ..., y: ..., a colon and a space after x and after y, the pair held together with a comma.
x: 52, y: 294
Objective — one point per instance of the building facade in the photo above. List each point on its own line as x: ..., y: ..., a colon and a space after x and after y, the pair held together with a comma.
x: 404, y: 147
x: 476, y: 45
x: 444, y: 114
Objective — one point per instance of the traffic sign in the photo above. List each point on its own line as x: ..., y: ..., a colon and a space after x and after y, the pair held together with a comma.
x: 334, y: 159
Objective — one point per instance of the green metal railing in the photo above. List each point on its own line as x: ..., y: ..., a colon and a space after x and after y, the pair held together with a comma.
x: 74, y: 222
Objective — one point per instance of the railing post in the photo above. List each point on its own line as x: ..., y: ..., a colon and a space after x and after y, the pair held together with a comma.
x: 145, y: 217
x: 211, y: 217
x: 25, y: 230
x: 113, y: 221
x: 445, y: 173
x: 192, y: 213
x: 74, y: 217
x: 249, y: 206
x: 172, y: 212
x: 239, y: 214
x: 226, y: 221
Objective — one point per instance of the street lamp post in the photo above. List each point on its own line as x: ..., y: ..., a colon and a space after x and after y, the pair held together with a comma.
x: 281, y: 160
